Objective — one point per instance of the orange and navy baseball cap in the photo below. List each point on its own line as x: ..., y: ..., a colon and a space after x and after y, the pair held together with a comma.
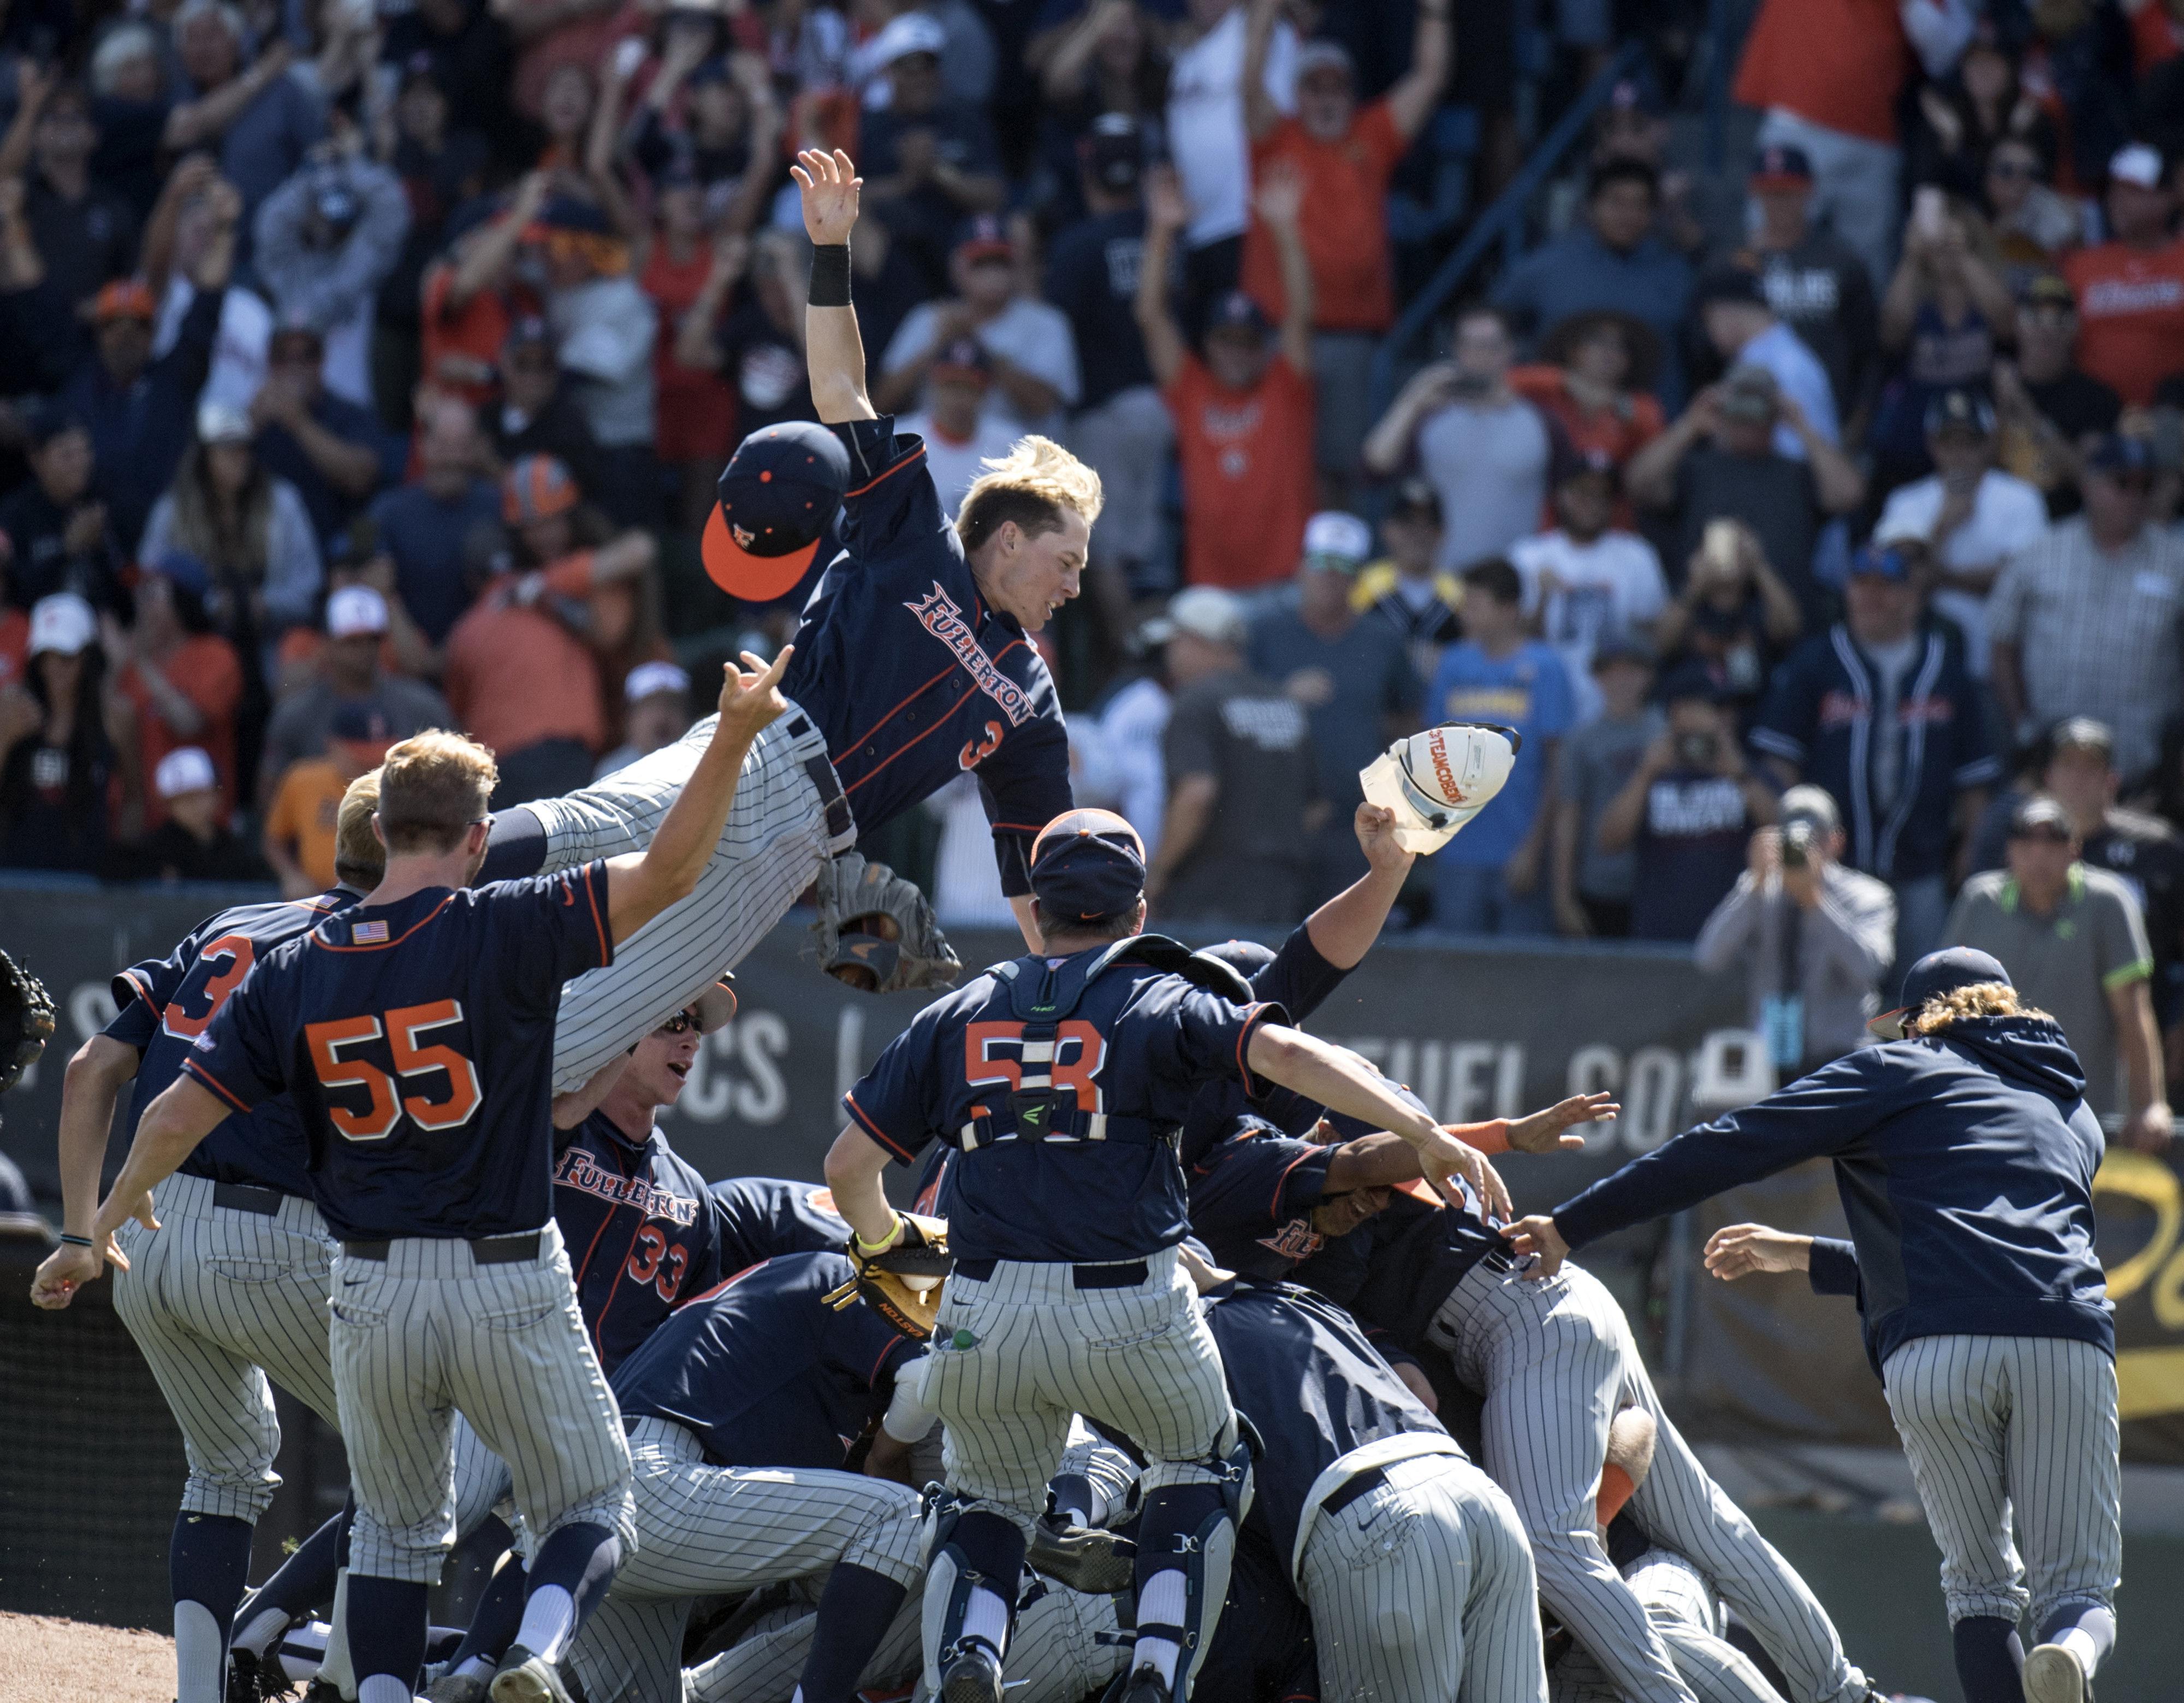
x: 125, y: 298
x: 779, y: 494
x: 1781, y: 168
x: 1088, y: 864
x: 538, y: 487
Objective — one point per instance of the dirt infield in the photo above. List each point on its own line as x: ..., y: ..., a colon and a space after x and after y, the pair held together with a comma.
x: 45, y: 1661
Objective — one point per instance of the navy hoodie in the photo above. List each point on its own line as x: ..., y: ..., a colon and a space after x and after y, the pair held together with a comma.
x: 1965, y: 1163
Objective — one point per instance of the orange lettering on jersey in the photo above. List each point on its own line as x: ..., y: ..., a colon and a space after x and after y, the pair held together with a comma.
x: 1078, y: 1073
x: 980, y: 1066
x: 404, y: 1025
x: 337, y: 1073
x: 240, y: 954
x: 974, y: 754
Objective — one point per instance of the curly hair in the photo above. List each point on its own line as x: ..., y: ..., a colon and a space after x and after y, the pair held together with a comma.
x: 1031, y: 486
x: 1963, y: 1005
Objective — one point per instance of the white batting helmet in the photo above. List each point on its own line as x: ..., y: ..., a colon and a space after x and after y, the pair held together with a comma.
x: 1437, y: 781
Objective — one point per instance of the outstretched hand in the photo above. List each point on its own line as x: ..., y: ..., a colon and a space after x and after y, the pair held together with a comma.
x: 1546, y: 1131
x: 1737, y: 1250
x: 1538, y: 1236
x: 829, y: 184
x: 750, y: 697
x: 1442, y: 1156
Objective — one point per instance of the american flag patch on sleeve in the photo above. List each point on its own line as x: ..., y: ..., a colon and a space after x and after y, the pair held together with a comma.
x: 369, y: 934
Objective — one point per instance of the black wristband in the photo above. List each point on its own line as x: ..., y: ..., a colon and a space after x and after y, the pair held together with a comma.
x: 830, y: 275
x: 68, y: 1241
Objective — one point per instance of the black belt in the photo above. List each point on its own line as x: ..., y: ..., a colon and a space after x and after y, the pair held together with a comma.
x: 243, y: 1197
x: 1350, y: 1489
x: 1126, y: 1276
x: 494, y: 1250
x: 840, y: 821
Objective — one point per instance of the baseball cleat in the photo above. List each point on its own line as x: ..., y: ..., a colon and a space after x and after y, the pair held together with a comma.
x: 255, y: 1679
x: 457, y: 1687
x: 2054, y: 1674
x: 971, y: 1675
x: 1146, y: 1686
x: 524, y: 1677
x: 1085, y: 1558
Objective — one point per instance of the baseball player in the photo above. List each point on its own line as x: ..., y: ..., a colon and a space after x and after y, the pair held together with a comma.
x: 1062, y: 1077
x: 742, y: 1409
x: 1964, y: 1154
x: 411, y: 1031
x: 232, y: 1285
x: 913, y: 666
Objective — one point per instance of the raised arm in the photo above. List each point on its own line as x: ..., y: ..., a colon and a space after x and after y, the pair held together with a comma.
x: 1651, y: 476
x: 1388, y: 445
x: 1261, y: 114
x: 1280, y: 204
x: 1410, y: 102
x: 1166, y: 213
x: 1342, y: 931
x: 833, y: 351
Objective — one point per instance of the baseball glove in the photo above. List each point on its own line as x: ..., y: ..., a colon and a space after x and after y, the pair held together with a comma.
x: 26, y: 1021
x: 902, y: 1285
x: 876, y: 932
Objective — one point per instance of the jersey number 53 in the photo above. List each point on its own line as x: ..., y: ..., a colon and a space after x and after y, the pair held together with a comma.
x: 388, y: 1106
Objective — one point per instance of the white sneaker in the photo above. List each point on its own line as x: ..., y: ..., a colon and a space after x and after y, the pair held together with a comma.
x: 2052, y: 1674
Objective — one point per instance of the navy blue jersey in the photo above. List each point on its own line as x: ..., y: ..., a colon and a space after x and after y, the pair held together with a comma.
x: 1263, y: 1649
x: 1251, y: 1198
x: 1301, y: 1370
x: 764, y: 1372
x: 762, y: 1217
x: 912, y: 676
x: 416, y: 1039
x: 1413, y: 1253
x: 1096, y: 1180
x: 165, y: 1004
x: 1298, y: 980
x: 641, y: 1228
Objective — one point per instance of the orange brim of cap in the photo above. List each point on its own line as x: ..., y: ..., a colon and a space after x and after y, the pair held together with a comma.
x: 1768, y: 181
x: 755, y: 579
x: 1889, y: 1025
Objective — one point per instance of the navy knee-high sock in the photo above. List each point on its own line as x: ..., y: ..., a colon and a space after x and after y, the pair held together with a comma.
x: 499, y: 1612
x: 303, y: 1582
x: 208, y: 1560
x: 569, y: 1575
x: 386, y: 1631
x: 1989, y: 1655
x: 992, y: 1548
x: 854, y: 1613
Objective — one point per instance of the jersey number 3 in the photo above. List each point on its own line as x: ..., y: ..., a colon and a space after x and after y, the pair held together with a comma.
x: 401, y: 1028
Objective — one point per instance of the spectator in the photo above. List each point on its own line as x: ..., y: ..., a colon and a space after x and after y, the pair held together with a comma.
x: 1243, y: 411
x: 522, y: 675
x: 264, y: 118
x: 472, y: 294
x: 759, y: 349
x: 2083, y: 622
x: 1595, y: 382
x: 1353, y: 676
x: 1969, y: 515
x: 1734, y: 617
x: 1028, y: 343
x: 1964, y: 120
x: 326, y: 239
x: 960, y: 435
x: 1813, y: 938
x: 194, y: 840
x: 538, y: 413
x: 1592, y: 887
x: 348, y: 671
x: 1486, y: 449
x: 1209, y: 139
x: 1345, y: 155
x: 656, y: 698
x: 2047, y: 406
x: 129, y: 110
x: 1244, y: 799
x: 1404, y: 588
x: 1121, y: 428
x: 65, y: 737
x: 696, y: 410
x: 250, y: 529
x: 1813, y: 281
x: 302, y: 824
x: 425, y: 526
x: 30, y: 356
x: 2076, y: 947
x: 1944, y: 310
x: 183, y: 680
x: 1612, y: 260
x: 929, y: 161
x: 1881, y: 712
x: 1586, y: 579
x: 86, y: 233
x: 2034, y: 228
x: 1742, y: 329
x: 729, y: 141
x: 329, y: 448
x: 1688, y: 811
x: 2131, y: 288
x: 54, y: 523
x: 1718, y: 462
x: 441, y: 165
x: 14, y: 633
x: 1133, y: 718
x: 604, y: 325
x: 1492, y: 878
x: 1109, y: 63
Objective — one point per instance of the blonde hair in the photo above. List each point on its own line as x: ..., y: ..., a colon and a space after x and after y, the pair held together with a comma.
x: 1031, y: 486
x: 1962, y: 1004
x: 431, y: 788
x: 360, y: 860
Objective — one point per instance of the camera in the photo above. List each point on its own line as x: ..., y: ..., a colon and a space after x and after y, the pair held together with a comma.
x: 1695, y: 750
x: 1797, y: 839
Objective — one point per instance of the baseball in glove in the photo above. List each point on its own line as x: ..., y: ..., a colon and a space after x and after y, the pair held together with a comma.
x: 902, y: 1282
x: 26, y: 1021
x: 876, y: 932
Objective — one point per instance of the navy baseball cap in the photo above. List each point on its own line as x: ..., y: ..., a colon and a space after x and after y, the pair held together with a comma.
x: 1692, y: 680
x: 1247, y: 958
x: 1088, y: 865
x: 1236, y: 311
x: 1959, y: 409
x: 778, y: 495
x: 2114, y: 453
x: 1879, y: 561
x: 1936, y: 974
x: 1781, y: 168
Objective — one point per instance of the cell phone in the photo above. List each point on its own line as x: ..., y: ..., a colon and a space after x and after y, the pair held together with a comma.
x: 1929, y: 211
x: 1719, y: 545
x: 629, y: 54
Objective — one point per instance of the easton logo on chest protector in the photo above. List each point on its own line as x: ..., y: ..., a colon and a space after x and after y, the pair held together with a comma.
x: 940, y: 615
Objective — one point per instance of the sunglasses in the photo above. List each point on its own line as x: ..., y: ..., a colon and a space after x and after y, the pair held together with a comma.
x: 681, y: 1023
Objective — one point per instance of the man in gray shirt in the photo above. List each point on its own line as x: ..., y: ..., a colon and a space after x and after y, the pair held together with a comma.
x: 1592, y: 887
x: 1813, y: 935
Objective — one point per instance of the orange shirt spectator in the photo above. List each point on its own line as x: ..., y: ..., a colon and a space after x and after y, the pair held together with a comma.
x: 696, y: 409
x: 2130, y: 291
x: 1593, y: 393
x: 1248, y: 485
x: 15, y: 646
x: 1344, y: 223
x: 302, y: 825
x: 516, y: 677
x: 1837, y: 62
x: 183, y: 681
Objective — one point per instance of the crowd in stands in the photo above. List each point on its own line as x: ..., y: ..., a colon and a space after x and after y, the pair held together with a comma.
x: 368, y: 368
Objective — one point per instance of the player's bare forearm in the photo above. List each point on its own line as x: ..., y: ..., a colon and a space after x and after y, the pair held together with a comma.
x: 854, y: 1165
x: 89, y: 1090
x: 1342, y: 931
x: 573, y: 1107
x: 1378, y: 1161
x: 835, y: 357
x: 184, y: 1113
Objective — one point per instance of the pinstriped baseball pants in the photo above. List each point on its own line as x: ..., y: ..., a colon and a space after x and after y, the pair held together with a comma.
x: 1996, y: 1426
x: 1040, y: 1350
x: 1556, y: 1360
x: 427, y: 1332
x: 1422, y: 1591
x: 705, y: 1530
x: 768, y: 853
x: 764, y: 1666
x: 220, y: 1300
x: 1687, y: 1614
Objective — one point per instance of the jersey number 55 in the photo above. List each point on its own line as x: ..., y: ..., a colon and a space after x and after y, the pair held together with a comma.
x: 401, y: 1028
